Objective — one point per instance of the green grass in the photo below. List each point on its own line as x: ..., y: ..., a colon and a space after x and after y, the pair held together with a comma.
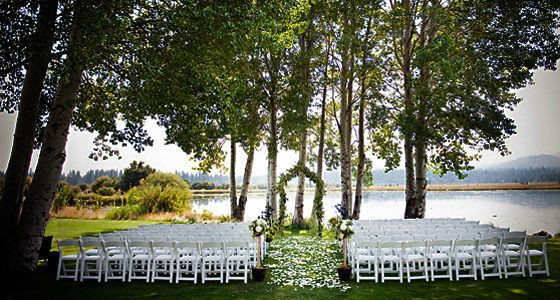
x: 513, y: 288
x: 74, y: 228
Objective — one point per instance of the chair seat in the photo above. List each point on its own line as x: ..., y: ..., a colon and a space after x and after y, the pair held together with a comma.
x: 464, y: 255
x: 238, y: 257
x: 92, y: 257
x: 415, y: 257
x: 116, y: 257
x: 535, y: 252
x: 440, y: 256
x: 391, y: 258
x: 512, y: 253
x: 485, y: 254
x: 489, y: 247
x: 92, y: 252
x: 365, y: 257
x: 213, y: 258
x: 163, y: 257
x: 141, y: 257
x: 188, y: 258
x: 70, y: 257
x: 512, y: 247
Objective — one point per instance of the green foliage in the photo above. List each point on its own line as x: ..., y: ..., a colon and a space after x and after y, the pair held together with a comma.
x: 106, y: 191
x: 161, y: 192
x: 164, y: 180
x: 318, y: 199
x: 101, y: 182
x: 133, y: 174
x: 205, y: 185
x: 127, y: 212
x: 64, y: 195
x: 83, y: 186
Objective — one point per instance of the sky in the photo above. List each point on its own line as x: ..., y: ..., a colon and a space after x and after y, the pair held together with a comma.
x: 537, y: 118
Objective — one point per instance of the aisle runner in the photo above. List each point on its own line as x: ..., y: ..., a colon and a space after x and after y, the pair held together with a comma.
x: 305, y: 262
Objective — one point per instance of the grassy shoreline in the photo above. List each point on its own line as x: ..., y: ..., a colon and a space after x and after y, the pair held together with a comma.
x: 430, y: 187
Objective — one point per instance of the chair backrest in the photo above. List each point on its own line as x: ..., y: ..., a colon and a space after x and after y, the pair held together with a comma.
x: 66, y: 243
x: 89, y: 244
x: 389, y: 245
x: 492, y: 234
x: 465, y: 246
x: 211, y: 247
x: 89, y: 239
x: 515, y: 234
x: 139, y: 244
x: 440, y: 243
x: 112, y: 244
x: 537, y: 239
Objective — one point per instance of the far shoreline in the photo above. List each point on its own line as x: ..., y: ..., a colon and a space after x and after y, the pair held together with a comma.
x: 430, y: 187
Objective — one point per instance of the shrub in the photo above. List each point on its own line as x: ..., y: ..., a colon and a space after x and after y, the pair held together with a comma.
x: 64, y: 195
x: 83, y: 186
x: 103, y: 181
x: 134, y: 174
x: 106, y: 191
x: 161, y: 192
x: 128, y: 212
x: 164, y: 180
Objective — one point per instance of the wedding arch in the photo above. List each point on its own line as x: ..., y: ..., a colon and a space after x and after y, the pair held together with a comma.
x: 319, y: 192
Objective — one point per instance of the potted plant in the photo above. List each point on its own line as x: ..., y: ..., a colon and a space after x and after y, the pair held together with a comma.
x: 259, y: 228
x: 344, y: 231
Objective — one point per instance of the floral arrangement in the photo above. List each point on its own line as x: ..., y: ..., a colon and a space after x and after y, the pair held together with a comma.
x: 342, y: 228
x: 258, y: 227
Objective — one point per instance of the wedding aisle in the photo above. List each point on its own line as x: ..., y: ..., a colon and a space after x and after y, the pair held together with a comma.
x: 305, y: 262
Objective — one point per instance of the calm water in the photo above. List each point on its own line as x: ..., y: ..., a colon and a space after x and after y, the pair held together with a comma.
x: 519, y: 210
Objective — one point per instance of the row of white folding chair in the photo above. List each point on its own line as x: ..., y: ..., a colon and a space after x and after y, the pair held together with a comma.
x: 490, y: 257
x: 155, y: 260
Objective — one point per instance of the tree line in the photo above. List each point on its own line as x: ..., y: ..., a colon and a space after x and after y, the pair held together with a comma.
x: 426, y: 80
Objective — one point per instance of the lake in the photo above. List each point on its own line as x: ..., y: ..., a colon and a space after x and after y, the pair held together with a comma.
x: 520, y: 210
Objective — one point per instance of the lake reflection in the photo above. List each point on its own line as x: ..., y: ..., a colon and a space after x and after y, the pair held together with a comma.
x: 519, y: 210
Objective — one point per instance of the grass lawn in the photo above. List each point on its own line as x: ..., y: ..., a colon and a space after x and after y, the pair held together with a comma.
x: 315, y: 261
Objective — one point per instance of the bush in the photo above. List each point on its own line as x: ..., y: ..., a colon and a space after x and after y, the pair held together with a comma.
x: 128, y: 212
x: 83, y: 186
x: 64, y: 195
x: 161, y: 192
x: 103, y: 181
x: 106, y: 191
x: 164, y: 180
x: 153, y: 199
x: 134, y: 174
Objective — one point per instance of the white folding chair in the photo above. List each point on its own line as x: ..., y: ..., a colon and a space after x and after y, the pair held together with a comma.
x: 188, y: 256
x: 238, y: 260
x: 139, y: 260
x: 542, y: 264
x: 464, y: 256
x: 489, y: 258
x: 163, y: 260
x: 390, y: 261
x: 365, y: 260
x: 212, y: 261
x: 512, y: 253
x: 91, y: 254
x: 68, y: 264
x: 114, y: 260
x: 440, y: 257
x: 414, y: 259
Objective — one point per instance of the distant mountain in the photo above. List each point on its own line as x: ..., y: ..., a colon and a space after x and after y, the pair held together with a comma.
x: 534, y: 161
